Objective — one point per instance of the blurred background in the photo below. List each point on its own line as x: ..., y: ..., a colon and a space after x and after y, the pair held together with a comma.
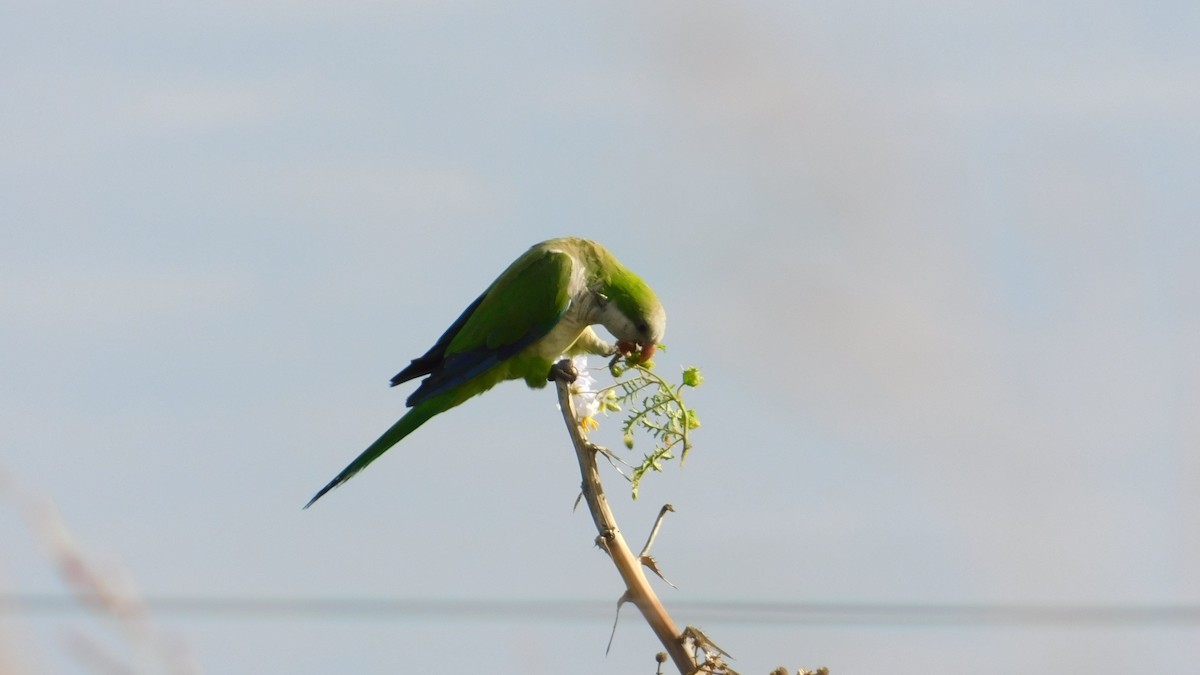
x: 937, y: 261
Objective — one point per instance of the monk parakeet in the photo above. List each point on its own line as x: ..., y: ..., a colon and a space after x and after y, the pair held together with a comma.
x: 540, y: 308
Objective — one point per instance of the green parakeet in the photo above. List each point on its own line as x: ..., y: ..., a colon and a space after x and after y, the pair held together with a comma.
x: 540, y: 308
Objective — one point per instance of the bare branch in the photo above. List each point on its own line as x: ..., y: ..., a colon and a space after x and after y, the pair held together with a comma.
x: 638, y: 588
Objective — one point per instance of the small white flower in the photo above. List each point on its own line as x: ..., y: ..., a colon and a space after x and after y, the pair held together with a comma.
x: 583, y: 394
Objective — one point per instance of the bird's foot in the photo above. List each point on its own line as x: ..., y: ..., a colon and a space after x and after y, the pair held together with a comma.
x: 563, y: 371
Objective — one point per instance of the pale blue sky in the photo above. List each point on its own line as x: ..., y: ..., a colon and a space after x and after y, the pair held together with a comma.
x: 937, y: 261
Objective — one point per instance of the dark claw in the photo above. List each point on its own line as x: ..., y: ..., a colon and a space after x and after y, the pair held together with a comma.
x: 563, y: 371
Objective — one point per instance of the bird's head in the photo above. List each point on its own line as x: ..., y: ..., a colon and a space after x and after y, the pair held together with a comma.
x: 632, y: 313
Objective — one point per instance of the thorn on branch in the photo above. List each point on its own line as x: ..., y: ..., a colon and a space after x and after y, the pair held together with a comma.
x: 616, y: 617
x: 612, y: 458
x: 662, y: 513
x: 651, y: 564
x: 602, y: 544
x: 701, y: 642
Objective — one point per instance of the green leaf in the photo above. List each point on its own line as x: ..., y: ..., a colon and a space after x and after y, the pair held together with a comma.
x: 653, y: 407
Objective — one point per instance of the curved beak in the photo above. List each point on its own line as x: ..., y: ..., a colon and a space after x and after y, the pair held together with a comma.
x: 644, y: 350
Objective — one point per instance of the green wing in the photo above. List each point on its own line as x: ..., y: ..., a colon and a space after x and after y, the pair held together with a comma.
x: 519, y: 308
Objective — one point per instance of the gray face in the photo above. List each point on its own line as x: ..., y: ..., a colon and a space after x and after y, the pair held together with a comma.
x: 643, y: 330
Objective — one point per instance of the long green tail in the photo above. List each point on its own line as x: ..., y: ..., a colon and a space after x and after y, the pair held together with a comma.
x: 403, y: 427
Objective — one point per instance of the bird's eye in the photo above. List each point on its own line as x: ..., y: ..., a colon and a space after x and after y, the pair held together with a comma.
x: 642, y: 327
